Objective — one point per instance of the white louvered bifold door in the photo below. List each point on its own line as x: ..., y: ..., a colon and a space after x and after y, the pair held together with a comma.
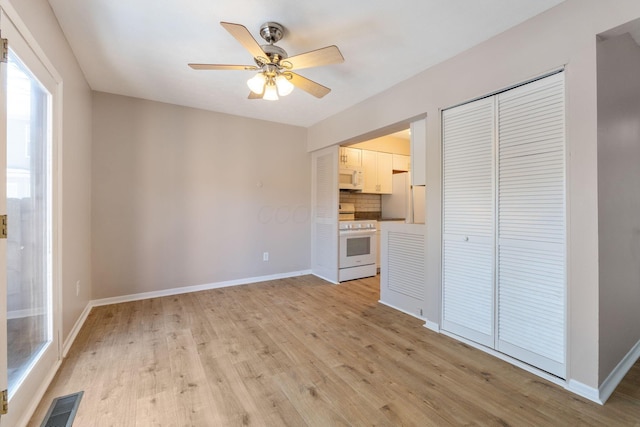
x: 468, y: 231
x: 530, y: 278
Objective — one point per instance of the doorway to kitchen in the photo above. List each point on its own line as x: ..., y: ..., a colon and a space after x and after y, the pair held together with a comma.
x: 334, y: 170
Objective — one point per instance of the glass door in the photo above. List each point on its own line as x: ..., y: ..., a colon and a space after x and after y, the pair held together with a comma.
x: 28, y: 207
x: 31, y: 332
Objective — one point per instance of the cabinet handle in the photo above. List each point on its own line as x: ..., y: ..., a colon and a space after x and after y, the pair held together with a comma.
x: 466, y: 238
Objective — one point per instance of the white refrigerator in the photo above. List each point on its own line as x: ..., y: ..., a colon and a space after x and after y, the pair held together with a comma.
x: 404, y: 201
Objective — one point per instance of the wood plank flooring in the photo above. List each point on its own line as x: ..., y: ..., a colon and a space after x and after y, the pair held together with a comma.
x: 302, y: 352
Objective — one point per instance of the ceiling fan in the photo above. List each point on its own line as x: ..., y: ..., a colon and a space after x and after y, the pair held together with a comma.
x: 275, y: 77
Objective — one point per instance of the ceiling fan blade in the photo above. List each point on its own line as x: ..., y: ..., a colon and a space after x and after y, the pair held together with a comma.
x: 245, y: 38
x: 222, y: 67
x: 315, y: 89
x: 325, y: 56
x: 253, y: 95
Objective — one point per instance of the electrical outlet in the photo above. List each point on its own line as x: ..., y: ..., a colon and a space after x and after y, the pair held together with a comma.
x: 78, y: 288
x: 265, y: 256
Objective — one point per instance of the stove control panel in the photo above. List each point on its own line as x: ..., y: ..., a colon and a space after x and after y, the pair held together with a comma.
x: 358, y: 225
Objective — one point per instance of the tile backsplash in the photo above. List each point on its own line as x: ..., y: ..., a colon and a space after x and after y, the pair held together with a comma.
x: 362, y: 202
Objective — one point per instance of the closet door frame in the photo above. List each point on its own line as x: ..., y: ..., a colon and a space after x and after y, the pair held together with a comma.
x: 495, y: 344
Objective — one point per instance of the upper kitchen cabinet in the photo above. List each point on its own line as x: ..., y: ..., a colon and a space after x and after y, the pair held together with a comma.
x: 401, y: 163
x: 419, y: 152
x: 377, y: 169
x: 350, y: 158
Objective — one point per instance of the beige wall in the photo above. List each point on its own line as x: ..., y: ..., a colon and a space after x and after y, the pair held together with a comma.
x: 75, y: 149
x: 564, y: 35
x: 186, y: 197
x: 618, y: 198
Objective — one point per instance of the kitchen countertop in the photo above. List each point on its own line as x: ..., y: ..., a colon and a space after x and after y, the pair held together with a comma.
x: 376, y: 216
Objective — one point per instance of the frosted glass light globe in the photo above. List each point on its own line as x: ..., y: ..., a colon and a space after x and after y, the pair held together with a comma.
x: 270, y: 92
x: 256, y: 83
x: 284, y: 85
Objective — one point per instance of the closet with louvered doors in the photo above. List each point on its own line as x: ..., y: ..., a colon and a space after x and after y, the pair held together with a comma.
x: 504, y: 231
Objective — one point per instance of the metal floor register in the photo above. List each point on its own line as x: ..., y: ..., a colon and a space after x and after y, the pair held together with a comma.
x: 62, y: 411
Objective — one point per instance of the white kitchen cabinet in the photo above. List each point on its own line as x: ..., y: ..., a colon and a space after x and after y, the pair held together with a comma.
x: 370, y: 171
x: 385, y: 172
x: 419, y: 152
x: 401, y: 163
x: 350, y: 157
x: 377, y: 170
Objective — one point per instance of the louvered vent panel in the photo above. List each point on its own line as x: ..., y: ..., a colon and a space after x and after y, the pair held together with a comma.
x: 531, y: 224
x: 406, y: 264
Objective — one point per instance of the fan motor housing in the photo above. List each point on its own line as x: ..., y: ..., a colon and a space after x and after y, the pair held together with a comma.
x: 272, y: 51
x: 272, y: 32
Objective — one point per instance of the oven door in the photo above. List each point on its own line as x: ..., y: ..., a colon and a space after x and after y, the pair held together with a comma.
x: 357, y: 247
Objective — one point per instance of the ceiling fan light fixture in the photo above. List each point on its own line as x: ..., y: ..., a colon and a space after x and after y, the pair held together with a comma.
x: 275, y: 78
x: 257, y: 83
x: 270, y: 92
x: 285, y: 87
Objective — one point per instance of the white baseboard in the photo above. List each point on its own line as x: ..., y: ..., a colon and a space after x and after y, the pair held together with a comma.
x: 615, y: 377
x: 76, y: 329
x: 584, y: 390
x: 400, y: 309
x: 433, y: 326
x: 24, y: 420
x: 196, y: 288
x: 324, y: 278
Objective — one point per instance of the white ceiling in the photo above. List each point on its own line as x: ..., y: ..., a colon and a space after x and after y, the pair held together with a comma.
x: 141, y: 48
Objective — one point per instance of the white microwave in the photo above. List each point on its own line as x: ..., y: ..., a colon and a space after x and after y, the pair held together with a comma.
x: 351, y: 179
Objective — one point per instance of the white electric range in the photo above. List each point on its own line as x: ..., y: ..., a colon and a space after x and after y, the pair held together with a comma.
x: 357, y: 249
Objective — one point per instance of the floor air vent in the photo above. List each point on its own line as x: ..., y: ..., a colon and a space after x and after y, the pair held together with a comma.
x: 62, y: 411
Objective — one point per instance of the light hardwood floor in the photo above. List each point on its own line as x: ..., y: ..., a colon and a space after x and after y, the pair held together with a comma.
x: 302, y: 352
